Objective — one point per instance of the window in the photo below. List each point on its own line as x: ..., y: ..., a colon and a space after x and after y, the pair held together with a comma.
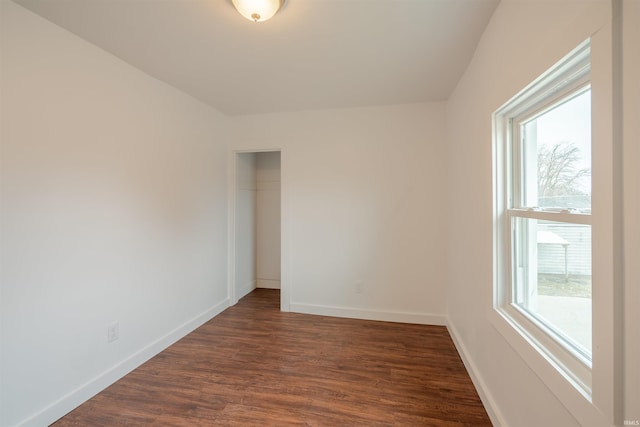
x: 550, y: 219
x: 543, y: 216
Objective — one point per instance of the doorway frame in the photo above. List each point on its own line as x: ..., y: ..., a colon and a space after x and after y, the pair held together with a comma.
x: 285, y: 229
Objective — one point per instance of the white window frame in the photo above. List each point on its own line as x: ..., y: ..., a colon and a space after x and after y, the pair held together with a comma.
x: 591, y: 391
x: 563, y: 81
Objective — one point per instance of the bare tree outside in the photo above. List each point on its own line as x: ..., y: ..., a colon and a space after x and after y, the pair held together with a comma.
x: 559, y: 176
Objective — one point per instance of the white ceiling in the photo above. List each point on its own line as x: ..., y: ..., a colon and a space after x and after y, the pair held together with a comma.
x: 313, y: 54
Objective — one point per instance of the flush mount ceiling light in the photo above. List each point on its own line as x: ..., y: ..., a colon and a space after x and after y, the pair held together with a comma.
x: 258, y: 10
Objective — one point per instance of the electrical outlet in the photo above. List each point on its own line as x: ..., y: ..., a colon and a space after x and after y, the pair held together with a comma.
x: 113, y: 332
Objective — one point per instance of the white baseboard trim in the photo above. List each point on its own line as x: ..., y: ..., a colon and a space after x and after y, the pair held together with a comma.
x: 485, y: 396
x: 268, y: 284
x: 72, y: 400
x: 365, y: 314
x: 243, y: 290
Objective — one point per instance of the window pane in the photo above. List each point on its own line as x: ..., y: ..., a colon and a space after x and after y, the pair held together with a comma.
x: 557, y: 156
x: 552, y: 278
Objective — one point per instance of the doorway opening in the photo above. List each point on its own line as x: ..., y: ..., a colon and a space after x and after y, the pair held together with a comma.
x: 256, y: 230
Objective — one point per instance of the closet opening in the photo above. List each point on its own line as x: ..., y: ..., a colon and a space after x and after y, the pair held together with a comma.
x: 257, y: 223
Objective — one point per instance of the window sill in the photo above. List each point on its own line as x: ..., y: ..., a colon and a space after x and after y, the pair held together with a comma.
x: 569, y: 392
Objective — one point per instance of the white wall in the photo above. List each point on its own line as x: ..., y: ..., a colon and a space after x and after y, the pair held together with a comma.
x: 113, y: 209
x: 268, y: 220
x: 363, y: 208
x: 523, y: 39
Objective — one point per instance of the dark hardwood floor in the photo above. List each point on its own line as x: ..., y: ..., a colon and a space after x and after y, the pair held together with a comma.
x: 256, y: 366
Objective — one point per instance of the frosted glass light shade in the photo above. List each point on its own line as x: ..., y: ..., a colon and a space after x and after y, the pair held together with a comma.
x: 258, y: 10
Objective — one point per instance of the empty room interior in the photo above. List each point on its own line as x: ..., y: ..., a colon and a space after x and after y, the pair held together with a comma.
x: 323, y: 212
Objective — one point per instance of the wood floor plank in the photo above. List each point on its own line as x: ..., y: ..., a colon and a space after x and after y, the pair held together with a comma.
x: 254, y: 365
